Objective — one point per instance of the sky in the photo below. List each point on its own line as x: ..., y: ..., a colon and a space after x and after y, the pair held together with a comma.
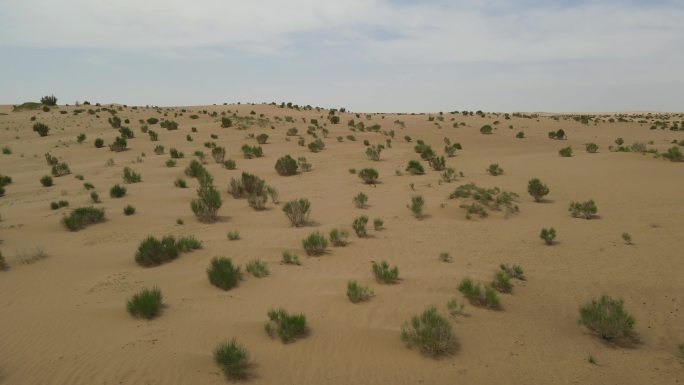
x: 364, y: 55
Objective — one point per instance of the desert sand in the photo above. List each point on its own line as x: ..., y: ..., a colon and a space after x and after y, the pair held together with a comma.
x: 63, y: 318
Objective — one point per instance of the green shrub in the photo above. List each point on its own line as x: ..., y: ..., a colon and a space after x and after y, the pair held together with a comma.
x: 357, y: 293
x: 438, y: 163
x: 194, y: 169
x: 169, y: 125
x: 262, y: 138
x: 360, y: 200
x: 486, y: 129
x: 233, y: 235
x: 80, y: 138
x: 565, y: 152
x: 3, y: 264
x: 175, y: 154
x: 159, y: 149
x: 46, y: 181
x: 619, y: 141
x: 287, y: 326
x: 430, y: 332
x: 416, y: 206
x: 384, y: 274
x: 606, y: 317
x: 587, y: 209
x: 257, y: 268
x: 226, y: 122
x: 229, y: 164
x: 455, y: 308
x: 146, y: 303
x: 129, y: 210
x: 152, y: 121
x: 592, y: 148
x: 316, y: 146
x: 115, y: 121
x: 286, y: 166
x: 559, y: 135
x: 223, y: 274
x: 297, y: 211
x: 118, y: 145
x: 359, y: 226
x: 50, y: 100
x: 60, y: 169
x: 208, y: 201
x: 130, y: 176
x: 233, y: 359
x: 83, y: 216
x: 537, y: 189
x: 126, y: 132
x: 117, y: 191
x: 41, y: 129
x: 180, y: 182
x: 154, y: 252
x: 250, y: 152
x: 415, y: 168
x: 369, y: 175
x: 338, y: 238
x: 474, y: 293
x: 94, y: 197
x: 378, y: 224
x: 674, y: 154
x: 494, y: 169
x: 315, y: 244
x: 548, y: 235
x: 520, y: 135
x: 290, y: 258
x: 502, y: 282
x: 219, y: 154
x: 627, y: 238
x: 170, y: 163
x: 373, y: 152
x: 444, y: 257
x: 514, y: 271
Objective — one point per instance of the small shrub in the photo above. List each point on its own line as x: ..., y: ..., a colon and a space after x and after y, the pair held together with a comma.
x: 416, y: 206
x: 226, y: 122
x: 159, y: 149
x: 233, y: 359
x: 290, y: 258
x: 494, y: 169
x: 373, y: 152
x: 117, y: 191
x: 229, y: 164
x: 250, y: 152
x: 94, y: 197
x: 565, y: 152
x: 430, y: 332
x: 515, y: 271
x: 338, y: 238
x: 130, y: 176
x: 444, y: 257
x: 304, y: 164
x: 41, y: 129
x: 587, y: 209
x: 60, y: 169
x: 145, y: 304
x: 99, y: 143
x: 378, y: 224
x: 218, y: 153
x: 627, y: 238
x: 129, y: 210
x: 223, y: 274
x: 360, y: 200
x: 455, y: 308
x: 315, y: 244
x: 502, y: 282
x: 674, y: 154
x: 180, y: 182
x: 46, y: 181
x: 486, y: 129
x: 3, y: 264
x: 357, y: 293
x: 257, y: 268
x: 474, y: 293
x: 287, y: 326
x: 359, y: 226
x: 83, y: 216
x: 170, y: 163
x: 384, y: 274
x: 297, y: 211
x: 592, y: 148
x: 415, y: 168
x: 208, y: 201
x: 520, y: 135
x: 368, y: 175
x: 286, y: 166
x: 175, y: 154
x: 233, y: 235
x: 438, y: 163
x: 537, y: 189
x: 606, y: 317
x: 548, y: 235
x: 119, y: 144
x: 262, y: 138
x: 257, y: 202
x: 80, y: 138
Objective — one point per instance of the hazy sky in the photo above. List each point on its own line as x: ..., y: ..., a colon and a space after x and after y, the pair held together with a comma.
x: 366, y: 55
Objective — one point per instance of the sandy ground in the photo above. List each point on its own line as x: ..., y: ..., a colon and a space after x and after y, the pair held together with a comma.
x: 63, y: 318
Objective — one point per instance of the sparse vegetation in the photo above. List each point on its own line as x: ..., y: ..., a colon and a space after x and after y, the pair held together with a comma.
x: 607, y: 317
x: 257, y: 268
x: 586, y: 209
x: 233, y: 359
x: 41, y: 129
x: 565, y: 152
x: 415, y: 168
x: 416, y: 205
x: 477, y: 296
x: 233, y: 235
x: 130, y: 176
x: 129, y: 210
x: 146, y: 303
x: 384, y: 274
x: 46, y: 181
x: 357, y: 293
x: 117, y: 191
x: 297, y: 211
x: 290, y: 258
x: 494, y: 169
x: 286, y: 166
x: 223, y: 274
x: 368, y: 175
x: 359, y: 226
x: 82, y: 217
x: 338, y: 238
x: 360, y: 200
x: 154, y: 252
x: 548, y: 235
x: 287, y: 326
x: 592, y: 148
x: 430, y: 332
x: 537, y: 189
x: 315, y: 244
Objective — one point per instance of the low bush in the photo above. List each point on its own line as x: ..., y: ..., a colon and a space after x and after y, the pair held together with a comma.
x: 548, y: 235
x: 338, y: 238
x: 494, y: 169
x: 208, y: 201
x: 233, y: 235
x: 229, y: 164
x: 146, y: 303
x: 286, y: 166
x: 373, y: 152
x: 175, y: 154
x: 286, y: 326
x: 226, y: 122
x: 130, y: 176
x: 219, y: 154
x: 290, y: 258
x: 315, y: 244
x: 357, y: 293
x: 297, y: 211
x: 262, y: 138
x: 170, y: 163
x: 502, y: 282
x: 537, y: 189
x: 180, y: 182
x: 233, y: 359
x: 3, y: 264
x: 430, y: 332
x: 368, y: 175
x: 250, y: 152
x: 474, y: 293
x: 257, y: 268
x: 416, y: 205
x: 83, y: 216
x: 607, y: 317
x: 60, y: 169
x: 154, y: 252
x: 359, y: 226
x: 46, y: 181
x: 674, y: 154
x: 438, y: 163
x: 514, y: 271
x: 223, y: 274
x: 520, y: 135
x: 41, y: 129
x: 565, y: 152
x: 587, y: 209
x: 415, y: 168
x: 119, y: 144
x: 384, y: 274
x: 117, y: 191
x: 486, y: 129
x: 592, y: 148
x: 378, y: 224
x: 94, y: 197
x: 444, y: 257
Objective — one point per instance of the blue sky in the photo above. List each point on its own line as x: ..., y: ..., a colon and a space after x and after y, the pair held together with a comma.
x: 366, y: 55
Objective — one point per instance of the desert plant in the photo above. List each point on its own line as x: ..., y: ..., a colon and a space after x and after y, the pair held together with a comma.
x: 474, y: 293
x: 502, y: 282
x: 257, y: 202
x: 257, y: 268
x: 438, y: 163
x: 455, y: 308
x: 49, y: 100
x: 357, y: 293
x: 117, y: 191
x: 3, y: 264
x: 262, y: 138
x: 226, y: 122
x: 60, y: 169
x: 290, y: 258
x: 359, y: 226
x: 537, y: 189
x: 514, y: 271
x: 250, y: 152
x: 520, y: 135
x: 170, y: 163
x: 674, y: 154
x: 297, y: 211
x: 548, y: 235
x: 159, y: 149
x: 373, y: 152
x: 223, y: 274
x: 383, y: 273
x: 360, y: 200
x: 208, y: 202
x: 486, y: 129
x: 180, y: 182
x: 175, y: 154
x: 430, y: 332
x: 338, y: 238
x: 369, y: 175
x: 218, y: 153
x: 233, y: 359
x: 229, y: 164
x: 153, y: 252
x: 80, y: 138
x: 587, y: 209
x: 315, y: 244
x: 378, y: 224
x: 129, y: 210
x: 606, y: 317
x: 130, y: 176
x: 565, y: 152
x: 94, y: 197
x: 146, y: 303
x: 494, y: 169
x: 627, y: 238
x: 316, y: 146
x: 41, y: 129
x: 83, y: 216
x: 592, y: 148
x: 233, y: 235
x: 415, y: 168
x: 619, y: 141
x: 303, y: 164
x: 46, y: 181
x: 416, y: 205
x: 119, y: 144
x: 287, y: 326
x: 444, y: 257
x: 286, y: 166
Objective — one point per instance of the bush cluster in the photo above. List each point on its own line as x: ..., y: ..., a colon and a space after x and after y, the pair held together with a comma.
x: 83, y: 216
x: 154, y: 252
x: 285, y: 325
x: 431, y: 332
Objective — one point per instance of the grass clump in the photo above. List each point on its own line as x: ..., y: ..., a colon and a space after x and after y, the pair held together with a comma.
x: 674, y: 154
x: 180, y: 182
x: 60, y: 169
x: 223, y: 274
x: 477, y: 296
x: 257, y: 268
x: 592, y: 148
x: 146, y: 303
x: 502, y: 282
x: 494, y: 169
x: 537, y: 189
x: 130, y: 176
x: 233, y: 235
x: 415, y: 168
x: 233, y: 359
x: 208, y: 201
x: 46, y: 181
x: 431, y: 332
x: 514, y: 271
x: 416, y: 205
x: 81, y: 217
x: 129, y: 210
x: 607, y: 317
x: 378, y: 224
x: 360, y: 200
x: 368, y: 175
x: 359, y: 226
x: 154, y: 252
x: 627, y: 238
x: 290, y: 258
x: 41, y: 129
x: 444, y: 257
x: 286, y: 326
x: 117, y: 191
x: 286, y: 166
x: 357, y: 293
x: 315, y: 244
x: 586, y: 209
x: 384, y: 274
x: 565, y: 152
x: 3, y: 264
x: 490, y: 198
x: 297, y: 211
x: 338, y: 238
x: 548, y: 235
